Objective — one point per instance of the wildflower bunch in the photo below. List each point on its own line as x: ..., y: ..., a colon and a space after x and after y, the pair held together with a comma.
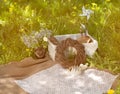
x: 35, y: 39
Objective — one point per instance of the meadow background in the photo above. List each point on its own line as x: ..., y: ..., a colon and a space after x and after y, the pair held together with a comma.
x: 24, y: 17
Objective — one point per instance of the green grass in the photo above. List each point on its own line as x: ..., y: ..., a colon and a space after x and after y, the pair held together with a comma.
x: 20, y: 17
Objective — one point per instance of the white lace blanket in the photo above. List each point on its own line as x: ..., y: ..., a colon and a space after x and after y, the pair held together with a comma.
x: 55, y: 80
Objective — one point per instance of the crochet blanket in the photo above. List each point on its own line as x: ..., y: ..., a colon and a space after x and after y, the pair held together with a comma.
x: 56, y: 80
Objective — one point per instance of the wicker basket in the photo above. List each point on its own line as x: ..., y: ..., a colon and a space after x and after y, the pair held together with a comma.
x: 90, y: 48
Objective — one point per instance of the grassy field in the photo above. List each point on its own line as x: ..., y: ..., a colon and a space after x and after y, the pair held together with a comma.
x: 20, y: 18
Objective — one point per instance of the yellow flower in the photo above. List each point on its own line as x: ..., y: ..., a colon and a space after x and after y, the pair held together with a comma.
x: 5, y: 0
x: 2, y: 22
x: 33, y: 37
x: 69, y: 0
x: 73, y: 14
x: 73, y: 21
x: 27, y: 12
x: 74, y: 7
x: 15, y: 3
x: 33, y: 13
x: 27, y: 7
x: 0, y: 44
x: 107, y: 0
x: 3, y: 47
x: 95, y: 6
x: 27, y: 50
x: 22, y: 30
x: 87, y: 5
x: 11, y: 8
x: 111, y: 91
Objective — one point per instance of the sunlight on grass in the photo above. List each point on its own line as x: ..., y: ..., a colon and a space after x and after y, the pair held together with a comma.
x: 22, y: 17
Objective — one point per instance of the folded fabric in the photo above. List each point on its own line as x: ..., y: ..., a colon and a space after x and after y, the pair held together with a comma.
x: 55, y: 80
x: 8, y: 86
x: 24, y: 68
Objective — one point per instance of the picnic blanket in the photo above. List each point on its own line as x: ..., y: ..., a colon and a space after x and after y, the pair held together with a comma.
x: 56, y: 80
x: 43, y: 76
x: 20, y: 70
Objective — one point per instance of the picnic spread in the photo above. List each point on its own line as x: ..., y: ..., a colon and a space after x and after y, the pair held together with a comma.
x: 52, y: 73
